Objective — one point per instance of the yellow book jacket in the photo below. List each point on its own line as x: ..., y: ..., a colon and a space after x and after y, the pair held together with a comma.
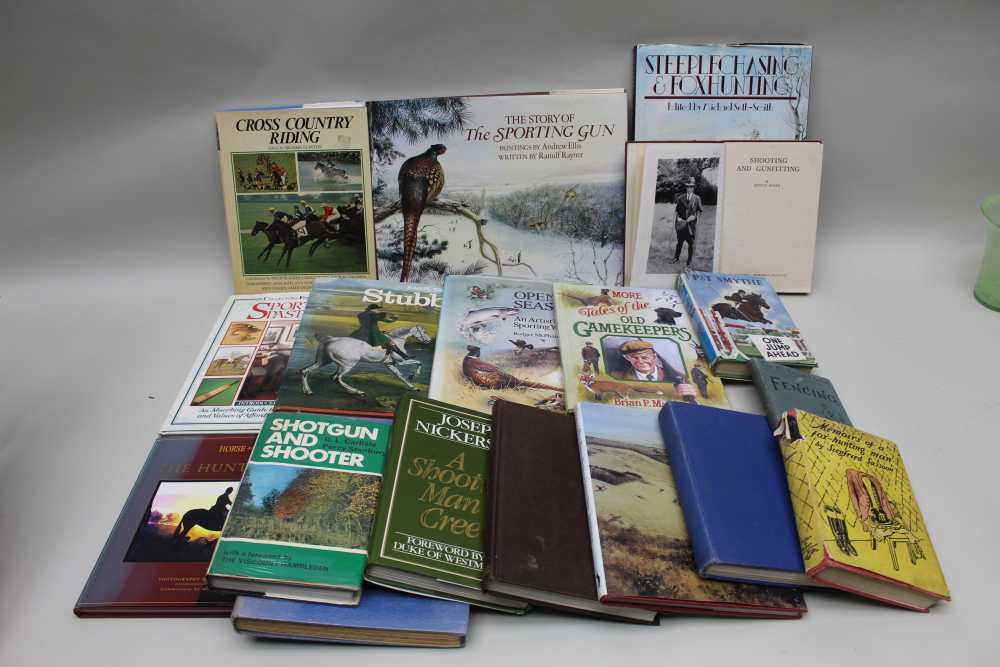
x: 853, y: 503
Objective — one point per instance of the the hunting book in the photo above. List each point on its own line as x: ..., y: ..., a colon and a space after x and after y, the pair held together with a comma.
x: 538, y: 540
x: 155, y: 559
x: 296, y: 183
x: 731, y: 485
x: 383, y: 618
x: 498, y: 340
x: 641, y: 548
x: 630, y: 347
x: 234, y: 381
x: 859, y: 524
x: 429, y: 535
x: 721, y: 91
x: 300, y: 525
x: 782, y: 388
x: 740, y: 317
x: 361, y: 345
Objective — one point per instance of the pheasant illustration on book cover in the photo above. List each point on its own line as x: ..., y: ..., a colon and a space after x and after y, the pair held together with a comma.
x: 525, y: 186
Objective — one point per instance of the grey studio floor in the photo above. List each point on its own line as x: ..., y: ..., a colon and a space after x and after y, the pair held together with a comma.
x: 114, y: 264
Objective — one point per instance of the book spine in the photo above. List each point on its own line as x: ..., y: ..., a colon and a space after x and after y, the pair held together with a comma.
x: 490, y: 542
x: 705, y: 554
x: 700, y: 329
x: 588, y: 494
x: 766, y: 396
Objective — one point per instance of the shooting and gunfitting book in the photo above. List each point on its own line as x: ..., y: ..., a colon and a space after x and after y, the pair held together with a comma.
x: 300, y: 524
x: 498, y: 341
x: 738, y: 318
x: 860, y: 528
x: 296, y: 183
x: 429, y: 534
x: 235, y: 380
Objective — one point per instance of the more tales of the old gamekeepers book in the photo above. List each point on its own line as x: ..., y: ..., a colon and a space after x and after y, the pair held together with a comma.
x: 642, y: 552
x: 721, y: 91
x: 782, y: 388
x: 741, y: 317
x: 300, y: 524
x: 632, y: 347
x: 361, y: 345
x: 524, y: 186
x: 538, y: 539
x: 155, y: 559
x: 498, y: 340
x: 859, y: 524
x: 296, y: 183
x: 429, y: 534
x: 235, y: 379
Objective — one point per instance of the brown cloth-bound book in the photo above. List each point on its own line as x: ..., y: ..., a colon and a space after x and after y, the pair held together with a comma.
x: 538, y: 540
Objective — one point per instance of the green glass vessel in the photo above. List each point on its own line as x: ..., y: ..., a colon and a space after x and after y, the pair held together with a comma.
x: 987, y: 289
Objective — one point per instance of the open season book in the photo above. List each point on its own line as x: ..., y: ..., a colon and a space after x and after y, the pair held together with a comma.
x: 526, y: 186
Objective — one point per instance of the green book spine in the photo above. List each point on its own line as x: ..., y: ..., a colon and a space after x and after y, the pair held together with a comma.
x: 305, y: 506
x: 431, y: 513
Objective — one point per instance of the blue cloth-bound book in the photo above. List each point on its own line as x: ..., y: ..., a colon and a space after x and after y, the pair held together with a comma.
x: 383, y: 617
x: 733, y: 490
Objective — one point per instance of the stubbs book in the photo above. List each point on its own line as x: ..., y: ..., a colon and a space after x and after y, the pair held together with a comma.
x: 721, y: 91
x: 297, y: 190
x: 859, y: 524
x: 362, y: 344
x: 429, y: 535
x: 498, y: 341
x: 524, y: 186
x: 300, y: 524
x: 631, y: 347
x: 235, y: 379
x: 740, y: 317
x: 155, y: 559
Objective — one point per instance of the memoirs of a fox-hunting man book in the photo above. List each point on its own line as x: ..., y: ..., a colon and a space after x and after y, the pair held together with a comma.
x: 296, y: 184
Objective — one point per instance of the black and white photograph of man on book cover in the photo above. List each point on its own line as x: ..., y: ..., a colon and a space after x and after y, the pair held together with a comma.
x: 685, y: 215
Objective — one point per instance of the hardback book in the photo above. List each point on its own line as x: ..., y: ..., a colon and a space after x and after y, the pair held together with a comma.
x: 731, y: 484
x: 296, y: 183
x: 641, y: 548
x: 361, y: 345
x: 538, y: 539
x: 524, y: 186
x: 383, y: 618
x: 859, y: 524
x: 738, y: 318
x: 748, y: 207
x: 721, y: 91
x: 155, y: 559
x: 498, y: 340
x: 300, y: 524
x: 782, y: 388
x: 632, y: 347
x: 429, y: 534
x: 236, y: 376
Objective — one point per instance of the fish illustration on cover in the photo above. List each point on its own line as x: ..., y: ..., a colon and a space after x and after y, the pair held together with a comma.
x: 497, y: 340
x: 631, y: 347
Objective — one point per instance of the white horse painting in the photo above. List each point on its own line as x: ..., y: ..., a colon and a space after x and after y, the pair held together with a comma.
x: 346, y: 353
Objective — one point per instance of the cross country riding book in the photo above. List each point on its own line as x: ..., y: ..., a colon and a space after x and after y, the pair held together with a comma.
x: 782, y: 388
x: 300, y: 524
x: 741, y: 317
x: 731, y: 483
x: 538, y: 540
x: 361, y: 346
x: 859, y: 524
x: 155, y: 559
x: 721, y: 91
x: 429, y: 534
x: 748, y: 207
x: 524, y: 186
x: 296, y: 183
x: 235, y: 379
x: 498, y: 341
x: 629, y: 346
x: 382, y: 618
x: 639, y: 539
